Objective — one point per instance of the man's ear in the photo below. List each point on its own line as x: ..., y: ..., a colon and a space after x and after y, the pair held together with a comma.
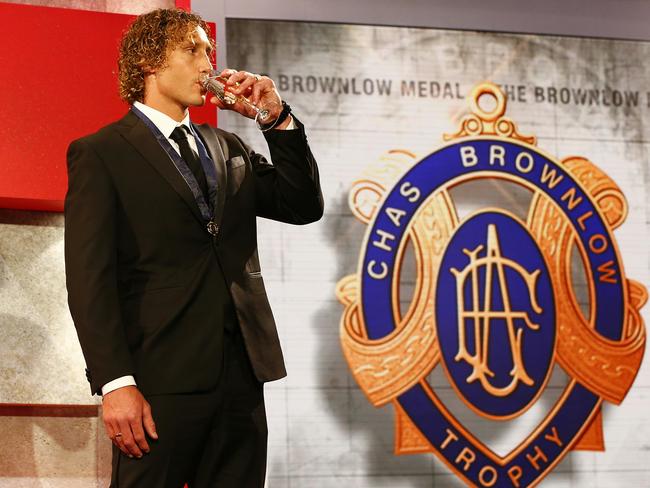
x: 146, y: 69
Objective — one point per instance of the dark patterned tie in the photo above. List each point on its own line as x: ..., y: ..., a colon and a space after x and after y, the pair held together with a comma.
x: 179, y: 136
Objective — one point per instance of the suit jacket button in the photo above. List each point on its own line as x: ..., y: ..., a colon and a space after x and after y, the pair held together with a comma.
x: 213, y: 228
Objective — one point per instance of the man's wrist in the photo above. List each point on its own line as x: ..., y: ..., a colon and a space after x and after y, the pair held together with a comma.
x: 120, y: 382
x: 280, y: 122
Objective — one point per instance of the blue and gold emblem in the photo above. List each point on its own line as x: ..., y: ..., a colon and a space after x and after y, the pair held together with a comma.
x: 494, y: 300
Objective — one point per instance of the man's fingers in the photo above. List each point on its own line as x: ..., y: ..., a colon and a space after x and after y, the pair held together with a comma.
x: 241, y: 82
x: 147, y: 421
x: 256, y: 88
x: 138, y: 435
x: 115, y: 434
x: 256, y: 94
x: 128, y: 441
x: 124, y: 411
x: 111, y: 432
x: 237, y: 77
x: 244, y: 86
x: 218, y: 103
x: 119, y: 442
x: 235, y: 107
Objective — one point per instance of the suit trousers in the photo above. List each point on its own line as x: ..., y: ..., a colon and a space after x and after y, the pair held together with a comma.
x: 214, y: 439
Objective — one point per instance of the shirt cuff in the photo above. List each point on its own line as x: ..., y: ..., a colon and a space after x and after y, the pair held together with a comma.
x: 292, y: 125
x: 120, y: 382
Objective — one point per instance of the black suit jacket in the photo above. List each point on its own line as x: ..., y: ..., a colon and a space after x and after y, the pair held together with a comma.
x: 147, y: 284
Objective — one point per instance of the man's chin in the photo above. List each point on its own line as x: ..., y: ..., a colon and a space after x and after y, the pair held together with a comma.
x: 198, y: 101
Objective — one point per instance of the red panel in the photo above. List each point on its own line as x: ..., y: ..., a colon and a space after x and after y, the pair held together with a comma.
x: 184, y: 4
x: 59, y: 82
x: 48, y: 410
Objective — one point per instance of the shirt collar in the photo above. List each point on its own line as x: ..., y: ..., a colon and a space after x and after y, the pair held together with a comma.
x: 163, y: 122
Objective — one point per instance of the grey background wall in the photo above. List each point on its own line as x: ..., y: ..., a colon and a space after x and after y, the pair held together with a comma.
x: 626, y: 19
x: 620, y: 19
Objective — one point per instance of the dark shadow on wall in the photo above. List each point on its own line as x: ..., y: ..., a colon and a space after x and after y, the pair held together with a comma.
x: 371, y: 429
x: 54, y: 448
x: 44, y: 441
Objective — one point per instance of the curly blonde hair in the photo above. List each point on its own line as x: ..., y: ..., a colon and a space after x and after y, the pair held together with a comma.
x: 147, y: 43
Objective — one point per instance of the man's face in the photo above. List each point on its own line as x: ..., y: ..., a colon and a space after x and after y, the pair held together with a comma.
x: 177, y: 83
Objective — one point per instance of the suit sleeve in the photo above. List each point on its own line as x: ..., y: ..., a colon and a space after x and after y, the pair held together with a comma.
x: 289, y: 189
x: 90, y: 263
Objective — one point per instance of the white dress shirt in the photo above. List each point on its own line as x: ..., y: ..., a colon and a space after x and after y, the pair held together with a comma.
x: 166, y: 124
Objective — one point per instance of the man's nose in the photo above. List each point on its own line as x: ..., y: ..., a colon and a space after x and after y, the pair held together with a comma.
x: 206, y: 64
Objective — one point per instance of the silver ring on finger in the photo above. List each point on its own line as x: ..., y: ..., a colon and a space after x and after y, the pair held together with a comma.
x: 257, y: 77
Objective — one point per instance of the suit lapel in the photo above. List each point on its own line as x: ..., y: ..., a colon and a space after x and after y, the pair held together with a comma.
x: 213, y: 147
x: 141, y: 138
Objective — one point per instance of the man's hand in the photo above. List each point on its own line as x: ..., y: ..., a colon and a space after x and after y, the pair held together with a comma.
x: 126, y: 412
x: 259, y: 90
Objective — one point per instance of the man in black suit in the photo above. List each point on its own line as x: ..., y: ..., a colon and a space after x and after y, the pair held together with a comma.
x: 162, y: 269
